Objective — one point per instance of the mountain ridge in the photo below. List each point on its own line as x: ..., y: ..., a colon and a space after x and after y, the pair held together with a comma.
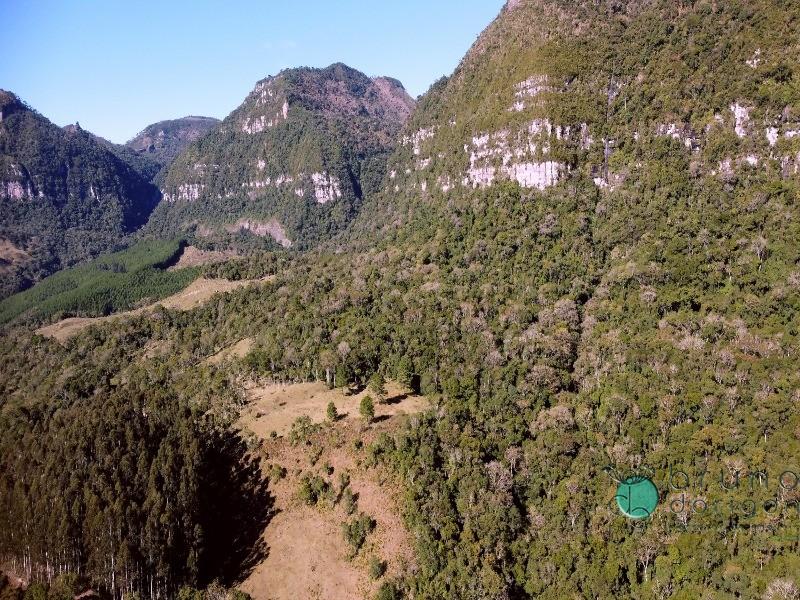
x: 64, y: 196
x: 309, y: 144
x: 165, y: 140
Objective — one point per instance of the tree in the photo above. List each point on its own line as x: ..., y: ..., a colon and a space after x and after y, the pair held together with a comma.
x: 332, y: 413
x: 367, y: 408
x: 405, y: 373
x: 377, y: 385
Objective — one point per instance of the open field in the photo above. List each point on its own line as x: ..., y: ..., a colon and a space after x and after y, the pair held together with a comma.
x: 197, y: 293
x: 237, y: 350
x: 307, y: 553
x: 193, y: 256
x: 275, y: 407
x: 10, y: 255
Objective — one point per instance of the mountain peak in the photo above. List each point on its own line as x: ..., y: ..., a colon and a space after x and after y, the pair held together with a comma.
x: 309, y: 144
x: 163, y: 141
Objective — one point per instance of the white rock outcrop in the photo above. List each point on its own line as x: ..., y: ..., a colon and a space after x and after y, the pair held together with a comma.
x: 186, y: 192
x: 741, y: 115
x: 681, y: 133
x: 14, y: 190
x: 263, y: 122
x: 772, y: 136
x: 326, y: 187
x: 755, y: 60
x: 521, y: 157
x: 539, y: 175
x: 416, y: 139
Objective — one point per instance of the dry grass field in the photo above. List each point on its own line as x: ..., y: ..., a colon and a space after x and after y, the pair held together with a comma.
x: 308, y: 557
x: 196, y: 294
x: 275, y: 407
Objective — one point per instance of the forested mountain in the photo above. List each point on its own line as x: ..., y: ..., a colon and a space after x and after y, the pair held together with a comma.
x: 585, y: 254
x: 63, y: 196
x: 165, y: 140
x: 292, y: 163
x: 147, y: 165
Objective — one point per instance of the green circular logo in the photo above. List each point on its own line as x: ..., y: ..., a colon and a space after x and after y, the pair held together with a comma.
x: 637, y: 497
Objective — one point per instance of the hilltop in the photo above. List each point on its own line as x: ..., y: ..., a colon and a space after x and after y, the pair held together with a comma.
x: 292, y: 163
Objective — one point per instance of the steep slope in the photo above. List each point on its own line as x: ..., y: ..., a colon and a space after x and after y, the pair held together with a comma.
x: 63, y: 196
x: 292, y: 162
x: 165, y: 140
x: 146, y: 165
x: 554, y: 92
x: 152, y: 151
x: 587, y: 257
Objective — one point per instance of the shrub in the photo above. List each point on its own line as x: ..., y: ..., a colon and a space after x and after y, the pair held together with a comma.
x: 302, y: 429
x: 35, y: 591
x: 313, y: 488
x: 332, y: 413
x: 357, y: 530
x: 377, y: 385
x: 388, y: 591
x: 349, y: 501
x: 377, y: 567
x: 276, y: 472
x: 367, y: 409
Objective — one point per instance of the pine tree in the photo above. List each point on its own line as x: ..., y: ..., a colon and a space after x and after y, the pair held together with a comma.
x: 367, y: 409
x: 377, y: 385
x: 332, y: 413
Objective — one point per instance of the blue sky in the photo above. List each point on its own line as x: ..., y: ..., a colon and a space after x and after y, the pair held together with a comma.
x: 116, y: 66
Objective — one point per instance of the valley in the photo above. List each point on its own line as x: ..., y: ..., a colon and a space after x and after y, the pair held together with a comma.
x: 347, y: 343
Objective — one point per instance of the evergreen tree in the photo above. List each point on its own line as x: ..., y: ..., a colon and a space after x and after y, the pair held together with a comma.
x: 367, y: 409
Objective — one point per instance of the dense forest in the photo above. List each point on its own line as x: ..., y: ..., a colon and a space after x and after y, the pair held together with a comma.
x: 637, y: 314
x: 65, y: 196
x: 132, y: 482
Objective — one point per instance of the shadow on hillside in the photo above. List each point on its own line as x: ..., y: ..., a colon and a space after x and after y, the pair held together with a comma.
x: 396, y: 399
x: 237, y: 508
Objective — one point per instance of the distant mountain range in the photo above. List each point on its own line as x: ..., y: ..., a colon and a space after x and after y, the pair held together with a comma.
x: 293, y: 163
x: 165, y: 140
x: 290, y: 166
x: 64, y: 196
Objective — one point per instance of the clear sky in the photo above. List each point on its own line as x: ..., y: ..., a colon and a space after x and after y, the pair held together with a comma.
x: 118, y: 65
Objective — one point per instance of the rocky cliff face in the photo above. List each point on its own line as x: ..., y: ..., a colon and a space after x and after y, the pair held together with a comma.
x: 64, y: 197
x: 551, y: 92
x: 300, y: 153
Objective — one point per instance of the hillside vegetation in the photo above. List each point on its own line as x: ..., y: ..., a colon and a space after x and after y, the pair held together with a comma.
x: 108, y: 284
x: 64, y: 196
x: 585, y: 255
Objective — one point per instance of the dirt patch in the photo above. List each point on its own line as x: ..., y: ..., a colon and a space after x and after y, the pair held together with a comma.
x: 10, y: 255
x: 196, y: 294
x: 238, y: 350
x: 275, y: 407
x: 192, y: 256
x: 308, y: 556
